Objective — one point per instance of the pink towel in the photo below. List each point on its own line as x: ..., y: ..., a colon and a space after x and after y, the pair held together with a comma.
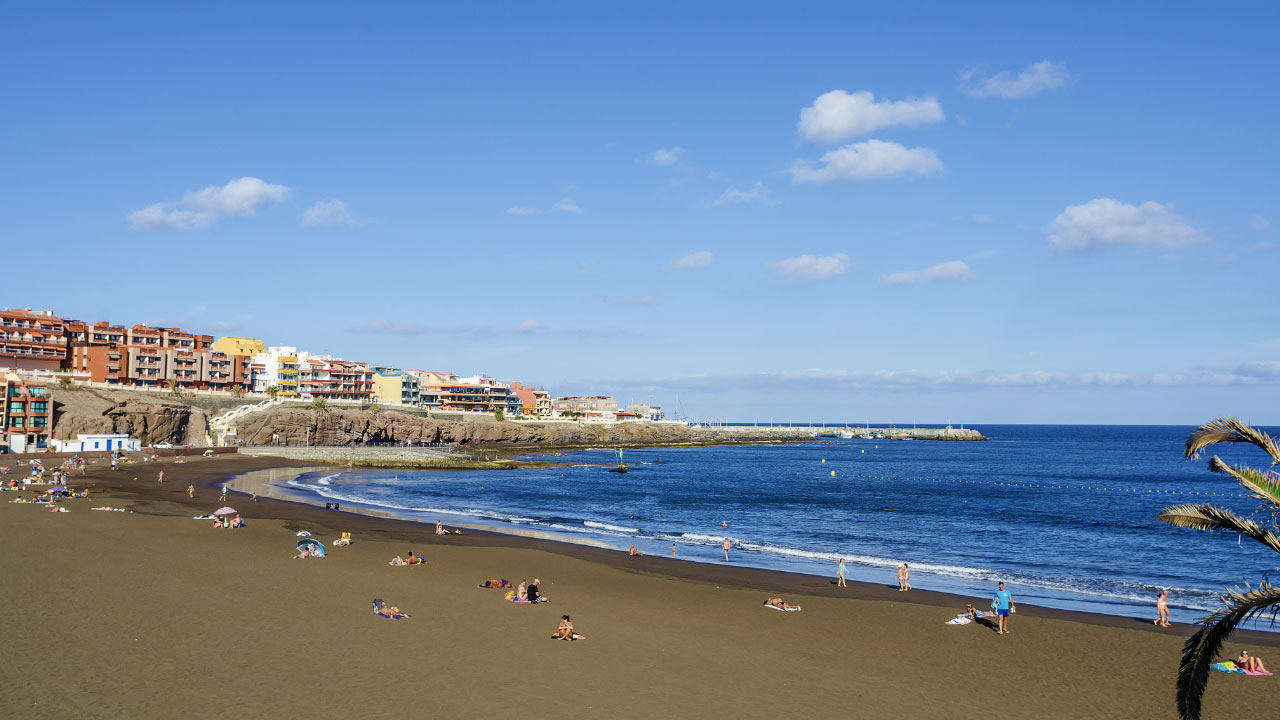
x: 1257, y: 672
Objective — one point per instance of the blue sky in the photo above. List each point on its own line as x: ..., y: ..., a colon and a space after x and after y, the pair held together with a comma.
x: 922, y: 214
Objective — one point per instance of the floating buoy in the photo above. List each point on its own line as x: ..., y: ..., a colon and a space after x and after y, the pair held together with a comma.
x: 824, y: 461
x: 833, y: 473
x: 864, y: 452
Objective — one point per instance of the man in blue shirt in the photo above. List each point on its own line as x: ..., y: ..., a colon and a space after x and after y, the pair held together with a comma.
x: 1003, y: 602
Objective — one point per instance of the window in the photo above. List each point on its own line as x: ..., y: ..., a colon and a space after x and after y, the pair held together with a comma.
x: 15, y: 422
x: 39, y: 422
x: 16, y: 407
x: 39, y: 407
x: 37, y: 392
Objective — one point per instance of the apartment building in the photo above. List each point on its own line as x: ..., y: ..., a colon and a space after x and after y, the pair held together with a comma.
x: 27, y: 414
x: 149, y: 356
x: 31, y: 340
x: 645, y: 411
x: 590, y: 406
x: 534, y: 402
x: 499, y: 394
x: 299, y: 374
x: 395, y: 386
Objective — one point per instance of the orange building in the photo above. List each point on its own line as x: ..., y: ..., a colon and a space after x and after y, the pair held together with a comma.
x: 27, y: 414
x: 32, y: 340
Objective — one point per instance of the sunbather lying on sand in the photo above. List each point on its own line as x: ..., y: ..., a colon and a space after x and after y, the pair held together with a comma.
x: 304, y: 554
x: 565, y: 631
x: 389, y: 612
x: 1249, y: 662
x: 413, y: 560
x: 780, y: 604
x: 397, y: 560
x: 496, y: 583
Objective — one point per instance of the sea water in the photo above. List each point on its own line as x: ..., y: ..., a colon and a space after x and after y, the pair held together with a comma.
x: 1065, y: 515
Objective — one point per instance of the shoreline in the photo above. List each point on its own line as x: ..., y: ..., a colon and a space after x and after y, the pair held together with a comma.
x: 797, y: 583
x: 146, y: 608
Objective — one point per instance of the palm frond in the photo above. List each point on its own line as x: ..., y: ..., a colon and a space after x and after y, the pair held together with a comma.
x: 1210, y: 518
x: 1264, y: 486
x: 1202, y: 648
x: 1232, y: 430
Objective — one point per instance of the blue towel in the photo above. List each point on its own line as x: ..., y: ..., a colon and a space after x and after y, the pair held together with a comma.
x: 1227, y: 668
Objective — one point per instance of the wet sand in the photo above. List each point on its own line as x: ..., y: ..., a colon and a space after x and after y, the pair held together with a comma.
x: 154, y: 614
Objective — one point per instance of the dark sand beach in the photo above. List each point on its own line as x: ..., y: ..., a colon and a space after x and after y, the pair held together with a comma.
x: 154, y: 614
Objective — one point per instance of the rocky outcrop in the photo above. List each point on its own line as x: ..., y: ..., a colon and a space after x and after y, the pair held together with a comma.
x: 148, y: 419
x: 297, y: 426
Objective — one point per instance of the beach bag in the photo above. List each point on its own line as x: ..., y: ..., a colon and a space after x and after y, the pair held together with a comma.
x: 510, y: 594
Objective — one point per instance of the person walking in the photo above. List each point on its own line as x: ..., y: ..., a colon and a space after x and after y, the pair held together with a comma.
x: 1162, y: 609
x: 727, y: 545
x: 223, y: 496
x: 1003, y: 603
x: 840, y: 571
x: 191, y: 491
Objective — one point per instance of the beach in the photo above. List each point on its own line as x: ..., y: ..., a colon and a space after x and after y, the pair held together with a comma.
x: 153, y: 614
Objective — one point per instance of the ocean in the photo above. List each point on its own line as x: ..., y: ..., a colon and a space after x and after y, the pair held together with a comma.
x: 1065, y: 515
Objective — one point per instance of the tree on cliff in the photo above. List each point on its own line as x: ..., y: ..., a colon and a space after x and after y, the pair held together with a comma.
x: 1239, y: 605
x: 272, y: 391
x: 318, y: 404
x: 497, y: 414
x: 172, y: 384
x: 375, y: 408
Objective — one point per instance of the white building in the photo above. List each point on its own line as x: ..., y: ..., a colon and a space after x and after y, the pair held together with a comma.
x: 91, y: 443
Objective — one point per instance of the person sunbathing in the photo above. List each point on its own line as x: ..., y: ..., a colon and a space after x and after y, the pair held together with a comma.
x: 237, y: 522
x: 633, y: 552
x: 390, y: 612
x: 217, y: 522
x: 1249, y: 662
x: 565, y: 630
x: 522, y: 592
x: 397, y: 560
x: 302, y: 555
x: 780, y: 604
x: 496, y: 583
x: 413, y: 560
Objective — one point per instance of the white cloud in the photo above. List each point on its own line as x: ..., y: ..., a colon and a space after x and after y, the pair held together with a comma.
x: 983, y: 218
x: 1034, y: 79
x: 1103, y: 223
x: 568, y: 205
x: 226, y: 325
x: 241, y: 196
x: 812, y: 267
x: 692, y: 260
x: 953, y: 270
x: 522, y: 211
x: 162, y: 216
x: 840, y: 115
x: 758, y: 194
x: 1259, y: 223
x: 329, y: 213
x: 529, y: 326
x: 665, y: 157
x: 1262, y: 246
x: 869, y: 160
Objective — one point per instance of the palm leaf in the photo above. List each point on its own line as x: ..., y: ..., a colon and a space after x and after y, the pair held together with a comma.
x: 1232, y: 430
x: 1202, y: 648
x: 1265, y: 486
x: 1210, y: 518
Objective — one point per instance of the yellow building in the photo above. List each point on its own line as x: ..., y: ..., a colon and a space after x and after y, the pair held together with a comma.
x: 388, y: 388
x: 239, y: 346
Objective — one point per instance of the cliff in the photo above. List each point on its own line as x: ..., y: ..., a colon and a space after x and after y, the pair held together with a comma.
x: 299, y: 426
x: 149, y: 417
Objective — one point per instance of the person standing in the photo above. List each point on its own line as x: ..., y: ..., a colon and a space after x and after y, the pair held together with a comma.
x: 902, y: 578
x: 1162, y: 609
x: 673, y: 549
x: 840, y: 570
x: 191, y: 491
x: 727, y: 545
x: 1003, y: 603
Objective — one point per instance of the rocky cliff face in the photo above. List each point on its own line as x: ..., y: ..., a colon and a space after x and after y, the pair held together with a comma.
x: 151, y: 420
x: 296, y: 426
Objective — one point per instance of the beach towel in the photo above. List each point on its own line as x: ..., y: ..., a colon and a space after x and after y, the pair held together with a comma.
x: 960, y: 620
x: 525, y: 602
x: 775, y: 607
x: 1257, y: 672
x: 303, y: 533
x: 202, y: 517
x: 1227, y: 667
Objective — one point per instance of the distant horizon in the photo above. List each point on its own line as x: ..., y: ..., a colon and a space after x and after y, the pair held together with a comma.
x: 1026, y: 215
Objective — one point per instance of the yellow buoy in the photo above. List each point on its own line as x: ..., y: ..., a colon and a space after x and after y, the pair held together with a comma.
x: 833, y: 473
x: 824, y: 461
x: 864, y: 452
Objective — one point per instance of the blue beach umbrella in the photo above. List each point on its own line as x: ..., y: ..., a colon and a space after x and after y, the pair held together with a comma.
x: 315, y: 547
